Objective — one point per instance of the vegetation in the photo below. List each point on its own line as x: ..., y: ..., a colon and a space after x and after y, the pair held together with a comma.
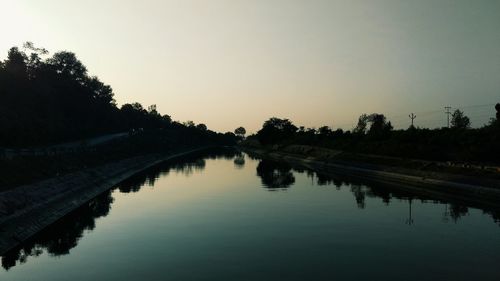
x: 459, y: 120
x: 52, y: 100
x: 374, y: 134
x: 240, y: 132
x: 49, y: 100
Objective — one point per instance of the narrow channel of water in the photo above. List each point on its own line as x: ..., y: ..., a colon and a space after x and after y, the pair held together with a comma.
x: 224, y: 215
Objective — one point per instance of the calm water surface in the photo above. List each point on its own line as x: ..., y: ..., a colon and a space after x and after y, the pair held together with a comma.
x: 228, y: 216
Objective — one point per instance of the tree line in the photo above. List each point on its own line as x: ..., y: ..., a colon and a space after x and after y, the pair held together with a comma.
x: 52, y: 99
x: 374, y: 134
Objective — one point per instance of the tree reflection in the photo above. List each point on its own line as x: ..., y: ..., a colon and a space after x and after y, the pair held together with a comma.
x: 278, y: 174
x: 59, y: 238
x: 457, y: 211
x: 239, y: 161
x: 275, y: 175
x: 186, y: 165
x: 362, y: 189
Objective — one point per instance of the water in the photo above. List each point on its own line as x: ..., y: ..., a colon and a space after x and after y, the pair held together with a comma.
x: 227, y: 216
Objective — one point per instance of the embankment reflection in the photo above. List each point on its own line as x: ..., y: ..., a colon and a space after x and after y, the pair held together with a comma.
x: 277, y: 175
x: 59, y: 238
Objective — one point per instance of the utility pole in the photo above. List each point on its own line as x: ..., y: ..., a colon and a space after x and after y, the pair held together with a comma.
x: 412, y: 117
x: 448, y: 113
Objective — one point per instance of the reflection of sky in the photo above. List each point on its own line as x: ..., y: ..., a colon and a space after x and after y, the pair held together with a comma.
x: 315, y: 62
x: 220, y: 223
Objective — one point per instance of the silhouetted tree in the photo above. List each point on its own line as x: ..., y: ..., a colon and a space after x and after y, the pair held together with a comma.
x: 66, y: 63
x: 189, y: 124
x: 240, y: 132
x: 362, y: 124
x: 325, y: 131
x: 51, y: 100
x: 16, y: 63
x: 34, y: 61
x: 201, y: 127
x: 459, y: 120
x: 380, y: 127
x: 276, y: 129
x: 152, y: 109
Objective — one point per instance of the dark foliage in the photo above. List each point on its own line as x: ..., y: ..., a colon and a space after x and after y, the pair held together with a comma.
x: 275, y: 130
x: 240, y: 132
x: 375, y: 135
x: 459, y: 120
x: 53, y: 100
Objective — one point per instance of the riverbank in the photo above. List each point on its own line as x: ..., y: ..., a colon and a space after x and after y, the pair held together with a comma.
x: 25, y: 210
x: 475, y: 186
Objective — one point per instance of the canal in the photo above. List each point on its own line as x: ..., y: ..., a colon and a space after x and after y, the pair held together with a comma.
x: 226, y: 215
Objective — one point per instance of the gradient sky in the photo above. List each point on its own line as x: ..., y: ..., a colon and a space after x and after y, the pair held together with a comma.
x: 232, y: 63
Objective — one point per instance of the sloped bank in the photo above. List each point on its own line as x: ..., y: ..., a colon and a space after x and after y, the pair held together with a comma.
x: 26, y: 210
x: 484, y: 191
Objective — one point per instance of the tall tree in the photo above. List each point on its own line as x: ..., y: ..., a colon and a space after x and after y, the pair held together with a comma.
x: 276, y: 129
x: 379, y: 125
x: 459, y: 120
x: 362, y: 124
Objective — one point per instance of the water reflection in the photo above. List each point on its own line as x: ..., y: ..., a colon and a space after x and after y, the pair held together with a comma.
x: 239, y: 161
x: 64, y: 235
x: 187, y: 165
x: 61, y: 237
x: 363, y: 189
x: 275, y: 175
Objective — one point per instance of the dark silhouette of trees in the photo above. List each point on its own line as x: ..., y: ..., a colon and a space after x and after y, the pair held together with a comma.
x: 15, y: 65
x: 49, y: 100
x: 275, y: 130
x: 362, y: 125
x: 67, y: 64
x: 379, y: 126
x: 189, y: 124
x: 374, y: 134
x: 201, y: 127
x: 240, y: 132
x: 325, y: 131
x: 459, y: 120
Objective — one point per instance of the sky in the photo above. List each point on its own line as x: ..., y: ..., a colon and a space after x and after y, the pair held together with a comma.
x: 237, y: 63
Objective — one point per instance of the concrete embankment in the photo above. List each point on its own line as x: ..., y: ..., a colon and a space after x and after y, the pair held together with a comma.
x: 456, y: 187
x: 26, y: 210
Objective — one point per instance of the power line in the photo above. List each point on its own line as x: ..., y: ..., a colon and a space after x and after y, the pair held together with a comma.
x: 477, y: 105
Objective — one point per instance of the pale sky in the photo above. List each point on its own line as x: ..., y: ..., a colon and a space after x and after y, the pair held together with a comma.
x: 232, y: 63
